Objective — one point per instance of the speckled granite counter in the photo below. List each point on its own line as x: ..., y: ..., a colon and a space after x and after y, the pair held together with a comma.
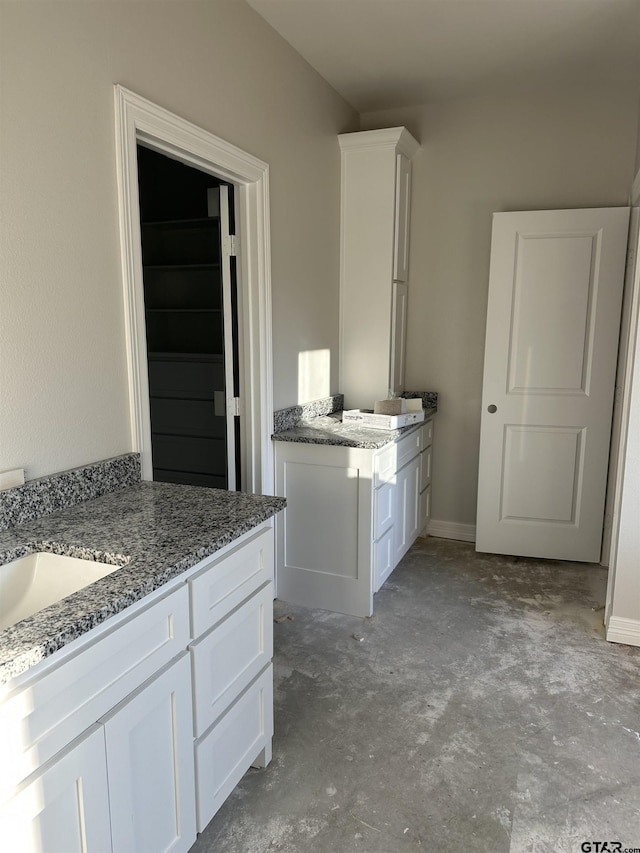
x: 330, y: 430
x: 154, y: 531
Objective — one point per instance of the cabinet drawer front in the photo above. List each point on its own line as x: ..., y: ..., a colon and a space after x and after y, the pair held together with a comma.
x: 425, y: 468
x: 41, y: 718
x: 225, y: 753
x: 383, y: 551
x: 383, y: 509
x: 384, y: 465
x: 224, y: 583
x: 426, y: 434
x: 425, y: 510
x: 408, y: 447
x: 227, y: 659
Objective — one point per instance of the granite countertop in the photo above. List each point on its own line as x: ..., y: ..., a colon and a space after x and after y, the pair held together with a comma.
x: 329, y: 429
x: 153, y: 531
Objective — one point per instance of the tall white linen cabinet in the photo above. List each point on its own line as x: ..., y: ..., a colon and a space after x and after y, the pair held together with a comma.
x: 374, y: 262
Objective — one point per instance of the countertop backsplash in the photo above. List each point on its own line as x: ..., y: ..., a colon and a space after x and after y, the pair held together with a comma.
x: 429, y: 398
x: 37, y: 498
x: 291, y: 417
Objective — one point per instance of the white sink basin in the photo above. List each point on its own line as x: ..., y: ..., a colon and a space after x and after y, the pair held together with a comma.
x: 37, y: 580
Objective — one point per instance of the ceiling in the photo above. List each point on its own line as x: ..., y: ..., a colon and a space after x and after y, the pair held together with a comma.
x: 380, y: 54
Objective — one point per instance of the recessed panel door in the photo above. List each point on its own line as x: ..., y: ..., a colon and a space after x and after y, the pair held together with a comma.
x: 555, y: 293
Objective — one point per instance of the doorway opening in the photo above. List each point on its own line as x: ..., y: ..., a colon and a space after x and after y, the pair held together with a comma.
x: 191, y: 322
x: 141, y: 122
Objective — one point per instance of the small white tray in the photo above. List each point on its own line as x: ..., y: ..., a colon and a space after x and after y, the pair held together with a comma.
x: 369, y: 419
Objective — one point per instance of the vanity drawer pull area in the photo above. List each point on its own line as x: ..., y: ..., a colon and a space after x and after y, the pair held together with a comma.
x: 233, y: 744
x: 408, y: 447
x: 384, y: 466
x: 426, y: 434
x: 223, y: 584
x: 230, y: 656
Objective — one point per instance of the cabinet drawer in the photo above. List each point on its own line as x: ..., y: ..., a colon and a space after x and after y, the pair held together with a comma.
x: 230, y: 656
x: 224, y: 583
x: 40, y: 718
x: 426, y: 434
x: 383, y: 509
x: 384, y: 465
x: 383, y: 551
x: 425, y: 468
x: 226, y: 752
x: 408, y: 447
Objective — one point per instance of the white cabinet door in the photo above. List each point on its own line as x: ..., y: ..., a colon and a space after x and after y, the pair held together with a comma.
x: 150, y: 763
x: 383, y: 558
x: 555, y: 290
x: 408, y: 523
x: 402, y: 218
x: 64, y: 806
x: 398, y: 337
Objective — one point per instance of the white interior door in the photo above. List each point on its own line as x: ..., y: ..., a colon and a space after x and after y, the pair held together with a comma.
x: 555, y: 292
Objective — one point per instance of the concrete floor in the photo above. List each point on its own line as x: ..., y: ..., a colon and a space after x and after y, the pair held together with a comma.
x: 481, y: 711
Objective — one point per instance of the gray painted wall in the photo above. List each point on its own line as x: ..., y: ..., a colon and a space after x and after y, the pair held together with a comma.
x: 571, y: 149
x: 63, y: 384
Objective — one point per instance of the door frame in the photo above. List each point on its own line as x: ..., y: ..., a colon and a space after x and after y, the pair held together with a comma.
x: 139, y: 120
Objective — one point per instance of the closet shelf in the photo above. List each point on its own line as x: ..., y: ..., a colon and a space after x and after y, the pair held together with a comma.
x: 206, y: 435
x: 181, y: 223
x: 185, y: 356
x: 207, y: 266
x: 185, y: 310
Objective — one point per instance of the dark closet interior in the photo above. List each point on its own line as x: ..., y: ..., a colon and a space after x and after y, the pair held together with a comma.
x: 183, y: 292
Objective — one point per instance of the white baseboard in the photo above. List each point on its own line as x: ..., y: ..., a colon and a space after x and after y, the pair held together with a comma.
x: 621, y: 630
x: 452, y: 530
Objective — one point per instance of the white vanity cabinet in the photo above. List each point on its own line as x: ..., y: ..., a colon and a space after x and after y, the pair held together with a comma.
x: 374, y: 253
x: 351, y: 515
x: 132, y: 769
x: 111, y: 743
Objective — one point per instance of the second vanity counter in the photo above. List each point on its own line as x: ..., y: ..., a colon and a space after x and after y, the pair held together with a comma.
x: 330, y: 430
x: 153, y: 531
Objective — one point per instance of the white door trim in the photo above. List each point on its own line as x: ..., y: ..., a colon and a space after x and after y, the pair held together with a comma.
x: 140, y: 120
x: 451, y: 530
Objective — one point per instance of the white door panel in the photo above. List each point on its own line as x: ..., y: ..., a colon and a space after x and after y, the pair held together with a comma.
x: 555, y: 293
